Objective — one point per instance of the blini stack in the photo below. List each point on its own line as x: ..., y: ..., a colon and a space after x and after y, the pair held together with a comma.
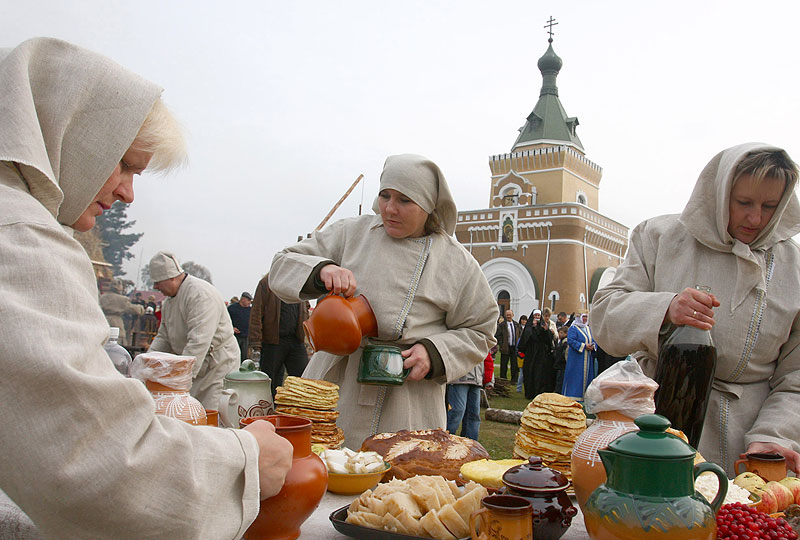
x: 316, y: 400
x: 548, y: 429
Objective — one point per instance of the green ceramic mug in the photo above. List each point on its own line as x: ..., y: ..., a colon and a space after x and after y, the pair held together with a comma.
x: 382, y: 364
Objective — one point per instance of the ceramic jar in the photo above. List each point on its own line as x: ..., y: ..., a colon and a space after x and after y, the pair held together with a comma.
x: 586, y: 467
x: 246, y: 392
x: 649, y: 492
x: 280, y: 516
x: 337, y: 324
x: 172, y: 401
x: 546, y: 490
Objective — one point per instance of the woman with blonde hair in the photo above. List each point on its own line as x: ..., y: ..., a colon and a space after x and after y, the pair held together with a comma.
x: 84, y: 455
x: 734, y: 236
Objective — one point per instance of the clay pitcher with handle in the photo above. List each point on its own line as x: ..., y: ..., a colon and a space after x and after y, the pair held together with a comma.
x: 337, y: 324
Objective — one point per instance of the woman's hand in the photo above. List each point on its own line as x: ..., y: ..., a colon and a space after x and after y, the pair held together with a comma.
x: 338, y: 280
x: 274, y: 457
x: 417, y: 359
x: 792, y: 457
x: 692, y: 307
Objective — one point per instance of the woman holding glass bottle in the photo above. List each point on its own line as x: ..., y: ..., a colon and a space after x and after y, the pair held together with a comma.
x: 734, y: 236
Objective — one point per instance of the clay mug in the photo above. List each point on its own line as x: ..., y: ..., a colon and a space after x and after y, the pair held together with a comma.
x: 767, y: 466
x: 212, y: 417
x: 246, y: 392
x: 501, y: 517
x: 337, y: 324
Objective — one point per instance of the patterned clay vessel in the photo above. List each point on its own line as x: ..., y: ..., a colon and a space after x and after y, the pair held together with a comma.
x: 337, y: 324
x: 280, y: 516
x: 174, y: 402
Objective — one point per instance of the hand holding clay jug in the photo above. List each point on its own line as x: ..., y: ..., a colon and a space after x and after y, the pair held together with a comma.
x: 246, y: 392
x: 338, y: 324
x: 280, y: 516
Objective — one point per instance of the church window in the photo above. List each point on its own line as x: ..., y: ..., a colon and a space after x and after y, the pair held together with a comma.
x: 580, y: 198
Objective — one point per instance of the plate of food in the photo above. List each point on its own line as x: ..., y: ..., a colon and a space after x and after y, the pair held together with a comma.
x: 418, y: 507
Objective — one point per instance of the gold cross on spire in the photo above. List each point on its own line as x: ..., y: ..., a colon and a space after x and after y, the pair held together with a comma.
x: 550, y: 24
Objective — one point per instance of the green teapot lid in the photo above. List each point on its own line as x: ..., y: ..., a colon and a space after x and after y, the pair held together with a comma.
x: 652, y: 440
x: 247, y: 372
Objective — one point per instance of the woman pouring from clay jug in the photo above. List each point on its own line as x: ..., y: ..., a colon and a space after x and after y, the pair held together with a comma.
x: 735, y: 236
x: 428, y: 293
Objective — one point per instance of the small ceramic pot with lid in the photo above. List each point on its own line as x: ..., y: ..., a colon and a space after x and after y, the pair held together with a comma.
x: 246, y: 392
x: 546, y: 490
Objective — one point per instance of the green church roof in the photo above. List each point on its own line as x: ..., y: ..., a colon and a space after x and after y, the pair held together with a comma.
x: 549, y: 121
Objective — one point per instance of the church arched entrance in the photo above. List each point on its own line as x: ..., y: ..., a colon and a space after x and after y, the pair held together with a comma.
x: 513, y: 285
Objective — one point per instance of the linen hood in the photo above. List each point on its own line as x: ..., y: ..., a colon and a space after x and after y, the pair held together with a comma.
x: 69, y: 115
x: 420, y: 179
x: 706, y: 216
x: 164, y: 265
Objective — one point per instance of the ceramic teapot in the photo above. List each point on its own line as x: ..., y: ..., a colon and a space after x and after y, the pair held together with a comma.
x: 338, y: 324
x: 650, y: 491
x: 246, y: 392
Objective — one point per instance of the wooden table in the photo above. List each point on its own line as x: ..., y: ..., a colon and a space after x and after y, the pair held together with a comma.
x: 15, y: 525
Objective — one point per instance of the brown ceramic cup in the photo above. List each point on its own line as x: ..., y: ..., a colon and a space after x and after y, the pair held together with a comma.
x: 212, y: 417
x: 502, y: 516
x: 768, y: 466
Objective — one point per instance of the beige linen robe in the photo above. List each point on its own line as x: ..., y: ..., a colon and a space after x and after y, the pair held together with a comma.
x: 196, y: 323
x: 83, y: 453
x: 453, y: 308
x: 756, y: 390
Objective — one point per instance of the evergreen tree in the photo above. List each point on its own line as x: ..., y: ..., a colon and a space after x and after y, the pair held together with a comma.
x: 197, y: 270
x: 110, y: 226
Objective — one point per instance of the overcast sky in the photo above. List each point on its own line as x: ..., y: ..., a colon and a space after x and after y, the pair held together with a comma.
x: 286, y: 103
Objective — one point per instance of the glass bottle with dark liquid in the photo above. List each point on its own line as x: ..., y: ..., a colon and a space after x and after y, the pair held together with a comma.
x: 687, y: 360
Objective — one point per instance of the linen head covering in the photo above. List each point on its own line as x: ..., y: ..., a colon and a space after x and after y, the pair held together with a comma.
x: 420, y: 179
x: 706, y: 217
x: 164, y: 265
x: 68, y: 117
x: 535, y: 311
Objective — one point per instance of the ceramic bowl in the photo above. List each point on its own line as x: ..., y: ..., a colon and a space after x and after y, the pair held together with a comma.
x: 354, y: 483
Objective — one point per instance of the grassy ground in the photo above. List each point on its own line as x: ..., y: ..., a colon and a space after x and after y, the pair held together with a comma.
x: 498, y: 437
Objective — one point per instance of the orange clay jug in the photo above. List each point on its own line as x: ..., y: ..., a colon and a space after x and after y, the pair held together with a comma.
x: 337, y: 324
x: 280, y: 516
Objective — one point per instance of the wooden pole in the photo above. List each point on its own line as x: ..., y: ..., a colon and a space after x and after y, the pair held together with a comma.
x: 339, y: 203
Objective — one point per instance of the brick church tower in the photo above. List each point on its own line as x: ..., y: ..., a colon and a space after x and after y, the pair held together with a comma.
x: 542, y: 240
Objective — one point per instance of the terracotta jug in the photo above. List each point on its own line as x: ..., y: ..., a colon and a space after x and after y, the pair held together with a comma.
x: 586, y: 466
x: 280, y: 516
x: 337, y: 324
x: 168, y: 377
x: 650, y: 490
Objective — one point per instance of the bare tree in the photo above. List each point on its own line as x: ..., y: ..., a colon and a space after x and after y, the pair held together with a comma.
x: 197, y: 270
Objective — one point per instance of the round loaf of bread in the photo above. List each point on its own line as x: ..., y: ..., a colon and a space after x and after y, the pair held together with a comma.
x: 425, y: 452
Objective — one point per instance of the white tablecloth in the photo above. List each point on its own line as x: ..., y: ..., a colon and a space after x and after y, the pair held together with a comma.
x: 15, y: 525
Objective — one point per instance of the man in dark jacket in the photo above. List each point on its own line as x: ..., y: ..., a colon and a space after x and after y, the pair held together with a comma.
x: 276, y: 329
x: 507, y: 335
x: 240, y: 317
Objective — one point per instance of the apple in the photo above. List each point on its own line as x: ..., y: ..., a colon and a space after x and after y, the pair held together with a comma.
x: 793, y: 483
x: 782, y: 494
x: 768, y: 504
x: 750, y: 481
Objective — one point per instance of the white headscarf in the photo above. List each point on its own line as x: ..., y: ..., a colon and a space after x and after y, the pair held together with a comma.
x: 68, y: 116
x: 579, y: 320
x: 164, y: 265
x: 706, y: 216
x: 420, y: 179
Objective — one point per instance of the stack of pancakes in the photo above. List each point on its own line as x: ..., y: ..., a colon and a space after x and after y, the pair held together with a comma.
x: 548, y: 429
x: 315, y: 400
